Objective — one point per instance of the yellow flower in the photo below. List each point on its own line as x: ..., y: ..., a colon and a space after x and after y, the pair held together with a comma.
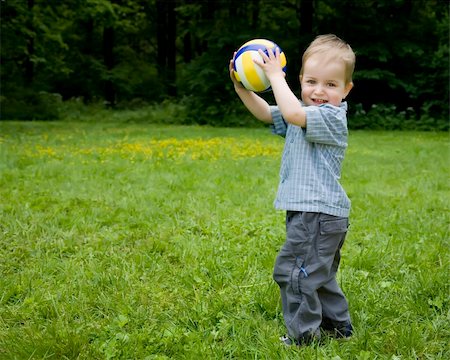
x: 170, y: 148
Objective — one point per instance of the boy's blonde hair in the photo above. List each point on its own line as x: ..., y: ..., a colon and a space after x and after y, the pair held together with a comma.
x: 331, y: 48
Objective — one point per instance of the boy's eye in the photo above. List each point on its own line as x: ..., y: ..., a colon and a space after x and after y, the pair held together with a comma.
x: 331, y: 84
x: 310, y: 81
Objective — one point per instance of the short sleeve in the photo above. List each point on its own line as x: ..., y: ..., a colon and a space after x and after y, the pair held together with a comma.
x: 279, y: 126
x: 327, y: 124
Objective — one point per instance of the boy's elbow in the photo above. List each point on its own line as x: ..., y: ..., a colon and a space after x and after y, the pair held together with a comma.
x: 296, y: 118
x: 267, y: 118
x: 264, y: 114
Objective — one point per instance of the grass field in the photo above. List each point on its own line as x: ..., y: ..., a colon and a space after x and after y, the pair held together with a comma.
x: 134, y: 241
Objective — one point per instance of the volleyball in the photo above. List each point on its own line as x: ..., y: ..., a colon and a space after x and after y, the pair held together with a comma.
x: 251, y: 75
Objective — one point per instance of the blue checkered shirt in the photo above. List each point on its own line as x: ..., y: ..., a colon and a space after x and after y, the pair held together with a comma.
x: 311, y: 161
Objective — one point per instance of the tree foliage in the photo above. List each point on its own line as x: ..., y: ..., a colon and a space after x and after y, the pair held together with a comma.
x: 147, y: 51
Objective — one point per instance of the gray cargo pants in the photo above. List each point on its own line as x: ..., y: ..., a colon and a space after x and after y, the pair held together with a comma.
x: 305, y: 270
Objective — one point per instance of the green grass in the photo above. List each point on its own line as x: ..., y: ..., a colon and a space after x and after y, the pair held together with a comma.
x: 134, y: 241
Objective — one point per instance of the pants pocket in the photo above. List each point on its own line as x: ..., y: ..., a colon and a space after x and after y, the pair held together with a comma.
x: 332, y: 232
x: 297, y: 247
x: 298, y: 239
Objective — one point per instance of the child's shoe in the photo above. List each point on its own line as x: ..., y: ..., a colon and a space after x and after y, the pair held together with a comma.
x: 340, y: 330
x: 344, y: 332
x: 306, y: 339
x: 287, y: 341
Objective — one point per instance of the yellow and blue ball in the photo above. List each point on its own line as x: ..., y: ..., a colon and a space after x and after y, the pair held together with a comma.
x: 247, y: 72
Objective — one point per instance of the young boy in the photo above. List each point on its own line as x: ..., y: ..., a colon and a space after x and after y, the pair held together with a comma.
x: 317, y: 207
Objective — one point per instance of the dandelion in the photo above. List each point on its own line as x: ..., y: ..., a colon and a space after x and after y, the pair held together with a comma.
x: 45, y: 151
x: 211, y: 149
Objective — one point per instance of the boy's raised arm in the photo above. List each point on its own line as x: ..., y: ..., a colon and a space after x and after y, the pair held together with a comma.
x: 286, y: 100
x: 259, y: 108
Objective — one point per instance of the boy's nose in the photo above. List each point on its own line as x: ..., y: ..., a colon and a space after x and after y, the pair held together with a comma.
x: 318, y: 89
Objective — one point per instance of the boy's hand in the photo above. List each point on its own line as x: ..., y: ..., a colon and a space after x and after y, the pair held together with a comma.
x: 287, y: 102
x: 272, y: 63
x: 255, y: 104
x: 237, y: 84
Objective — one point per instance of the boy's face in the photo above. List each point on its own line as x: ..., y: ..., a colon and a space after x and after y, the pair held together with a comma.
x: 323, y: 82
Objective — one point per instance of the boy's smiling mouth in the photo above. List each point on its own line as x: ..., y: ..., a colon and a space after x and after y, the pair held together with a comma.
x: 319, y: 101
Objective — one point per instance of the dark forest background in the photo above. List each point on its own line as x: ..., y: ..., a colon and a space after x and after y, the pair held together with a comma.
x: 132, y: 54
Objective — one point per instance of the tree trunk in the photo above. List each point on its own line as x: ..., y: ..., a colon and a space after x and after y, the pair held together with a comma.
x: 305, y: 13
x: 161, y: 37
x: 29, y: 66
x: 166, y: 38
x: 171, y: 49
x: 187, y: 48
x: 108, y: 58
x: 255, y: 14
x: 87, y: 50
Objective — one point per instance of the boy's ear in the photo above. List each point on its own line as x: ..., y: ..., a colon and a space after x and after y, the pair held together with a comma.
x: 348, y: 87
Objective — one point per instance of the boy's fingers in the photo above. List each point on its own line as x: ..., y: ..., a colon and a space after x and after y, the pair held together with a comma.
x: 270, y: 55
x: 260, y: 52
